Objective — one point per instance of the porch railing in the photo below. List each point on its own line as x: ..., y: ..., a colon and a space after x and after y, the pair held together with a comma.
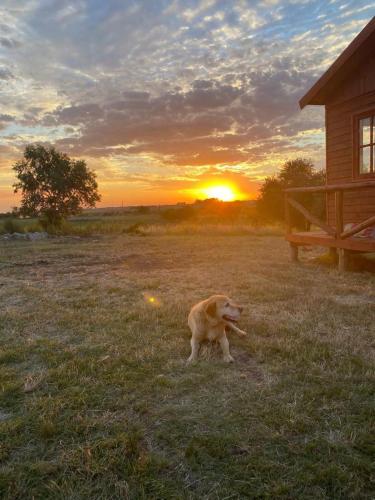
x: 336, y: 232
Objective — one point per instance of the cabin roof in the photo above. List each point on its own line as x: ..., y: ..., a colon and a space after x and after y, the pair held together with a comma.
x: 355, y: 53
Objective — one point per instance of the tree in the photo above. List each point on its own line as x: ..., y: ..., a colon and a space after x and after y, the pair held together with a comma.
x: 270, y: 200
x: 53, y: 185
x: 294, y: 173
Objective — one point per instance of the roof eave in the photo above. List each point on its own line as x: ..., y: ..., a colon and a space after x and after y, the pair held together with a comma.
x: 314, y: 95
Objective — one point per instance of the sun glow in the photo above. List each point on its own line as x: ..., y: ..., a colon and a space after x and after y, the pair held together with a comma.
x: 221, y: 192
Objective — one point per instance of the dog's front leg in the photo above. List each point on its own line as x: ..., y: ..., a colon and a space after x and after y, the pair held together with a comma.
x: 194, y: 350
x: 225, y: 348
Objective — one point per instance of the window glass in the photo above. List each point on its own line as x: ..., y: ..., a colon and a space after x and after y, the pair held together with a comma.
x: 365, y: 131
x: 365, y: 160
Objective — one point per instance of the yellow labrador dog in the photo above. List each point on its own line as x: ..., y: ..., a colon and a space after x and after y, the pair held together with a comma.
x: 209, y: 319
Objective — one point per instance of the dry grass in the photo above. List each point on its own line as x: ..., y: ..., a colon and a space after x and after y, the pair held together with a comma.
x: 96, y: 400
x: 144, y: 224
x: 185, y: 229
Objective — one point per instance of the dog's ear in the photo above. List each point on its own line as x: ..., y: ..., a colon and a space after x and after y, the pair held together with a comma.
x: 210, y: 308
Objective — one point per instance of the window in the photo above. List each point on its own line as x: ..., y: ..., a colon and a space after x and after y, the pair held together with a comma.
x: 366, y: 145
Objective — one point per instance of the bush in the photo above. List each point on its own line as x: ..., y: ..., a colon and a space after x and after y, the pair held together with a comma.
x: 178, y: 214
x: 134, y: 229
x: 143, y: 210
x: 12, y: 226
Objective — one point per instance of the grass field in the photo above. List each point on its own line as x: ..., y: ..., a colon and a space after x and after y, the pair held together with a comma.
x: 96, y: 401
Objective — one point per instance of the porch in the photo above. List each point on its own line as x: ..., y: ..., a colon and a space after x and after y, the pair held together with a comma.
x: 337, y: 239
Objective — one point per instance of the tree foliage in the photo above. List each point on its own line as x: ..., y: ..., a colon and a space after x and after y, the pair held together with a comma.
x: 53, y: 186
x: 178, y: 214
x: 294, y: 173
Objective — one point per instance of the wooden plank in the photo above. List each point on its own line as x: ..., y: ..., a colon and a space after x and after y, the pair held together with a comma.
x: 354, y: 199
x: 360, y: 82
x: 293, y: 252
x: 358, y: 228
x: 310, y: 217
x: 352, y: 104
x: 333, y: 254
x: 334, y: 148
x: 340, y: 176
x: 343, y: 260
x: 339, y: 135
x: 344, y: 110
x: 288, y: 219
x: 338, y: 166
x: 341, y: 168
x: 336, y: 145
x: 339, y: 213
x: 344, y: 154
x: 332, y: 187
x: 354, y: 207
x: 324, y: 240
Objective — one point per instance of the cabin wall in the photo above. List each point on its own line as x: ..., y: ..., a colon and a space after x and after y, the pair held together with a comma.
x: 354, y: 96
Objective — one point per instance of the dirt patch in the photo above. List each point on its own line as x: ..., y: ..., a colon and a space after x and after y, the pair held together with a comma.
x: 4, y: 416
x: 39, y: 262
x: 355, y: 300
x: 137, y: 262
x: 248, y: 366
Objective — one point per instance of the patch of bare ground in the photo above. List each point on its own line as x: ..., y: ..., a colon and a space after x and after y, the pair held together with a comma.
x: 244, y: 364
x: 248, y: 366
x: 356, y: 300
x: 4, y: 416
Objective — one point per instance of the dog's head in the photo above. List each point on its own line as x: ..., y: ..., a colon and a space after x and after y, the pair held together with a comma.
x: 221, y: 307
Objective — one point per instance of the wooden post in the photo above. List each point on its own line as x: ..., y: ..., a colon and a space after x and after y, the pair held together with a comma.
x: 333, y: 254
x: 343, y: 259
x: 339, y: 214
x: 288, y: 219
x: 343, y: 254
x: 293, y: 252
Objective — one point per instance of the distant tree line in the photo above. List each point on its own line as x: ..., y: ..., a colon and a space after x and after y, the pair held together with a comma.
x: 54, y: 187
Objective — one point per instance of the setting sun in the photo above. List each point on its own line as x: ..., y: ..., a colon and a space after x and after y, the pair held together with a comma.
x: 222, y: 193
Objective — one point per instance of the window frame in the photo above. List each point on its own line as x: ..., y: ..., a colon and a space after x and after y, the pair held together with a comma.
x: 370, y: 113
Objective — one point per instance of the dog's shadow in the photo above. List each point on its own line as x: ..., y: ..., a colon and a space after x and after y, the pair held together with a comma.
x: 244, y: 363
x: 210, y: 351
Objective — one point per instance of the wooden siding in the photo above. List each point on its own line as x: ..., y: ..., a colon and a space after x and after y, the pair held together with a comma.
x: 354, y: 96
x: 361, y: 82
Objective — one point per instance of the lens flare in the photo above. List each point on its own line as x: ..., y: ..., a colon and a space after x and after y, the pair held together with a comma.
x: 151, y: 299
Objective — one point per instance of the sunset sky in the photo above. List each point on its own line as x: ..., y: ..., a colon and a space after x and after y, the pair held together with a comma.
x: 165, y: 98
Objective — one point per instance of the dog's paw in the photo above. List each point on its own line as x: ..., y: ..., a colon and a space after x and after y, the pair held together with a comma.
x: 191, y: 360
x: 228, y: 359
x: 243, y: 334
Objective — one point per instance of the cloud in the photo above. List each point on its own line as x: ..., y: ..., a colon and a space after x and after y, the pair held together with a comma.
x: 208, y: 123
x: 9, y: 43
x: 73, y: 115
x: 5, y: 74
x: 161, y: 91
x: 6, y: 118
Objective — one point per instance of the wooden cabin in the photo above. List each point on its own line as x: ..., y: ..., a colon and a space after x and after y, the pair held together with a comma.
x: 347, y: 90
